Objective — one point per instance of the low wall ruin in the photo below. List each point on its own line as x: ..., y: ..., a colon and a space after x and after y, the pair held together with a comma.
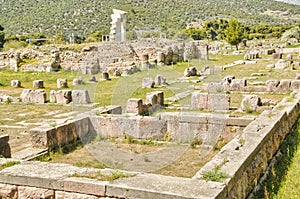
x: 245, y: 159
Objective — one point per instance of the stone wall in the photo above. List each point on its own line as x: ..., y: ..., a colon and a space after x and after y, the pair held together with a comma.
x: 246, y: 158
x: 4, y: 146
x: 53, y: 137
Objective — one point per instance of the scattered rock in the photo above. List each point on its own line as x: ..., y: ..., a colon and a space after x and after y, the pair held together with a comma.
x: 38, y: 84
x: 15, y: 83
x: 148, y: 83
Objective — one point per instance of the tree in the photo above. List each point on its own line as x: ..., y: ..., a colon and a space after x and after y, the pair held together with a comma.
x: 2, y: 35
x: 234, y: 33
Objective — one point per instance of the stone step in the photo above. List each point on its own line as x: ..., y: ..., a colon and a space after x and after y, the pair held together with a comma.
x: 29, y: 153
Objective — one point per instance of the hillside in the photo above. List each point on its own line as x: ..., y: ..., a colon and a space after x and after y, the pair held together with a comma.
x: 84, y: 17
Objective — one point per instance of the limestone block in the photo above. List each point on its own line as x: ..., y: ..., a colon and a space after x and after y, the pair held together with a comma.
x: 199, y: 100
x: 35, y: 193
x: 272, y: 85
x: 214, y: 87
x: 284, y: 86
x: 250, y: 103
x: 80, y: 97
x: 8, y: 191
x: 85, y: 186
x: 154, y: 98
x: 295, y: 85
x: 159, y: 79
x: 68, y: 195
x: 39, y: 96
x: 62, y: 83
x: 269, y: 66
x: 63, y: 96
x: 38, y: 84
x: 281, y: 64
x: 217, y: 101
x: 34, y: 96
x: 25, y: 95
x: 297, y: 76
x: 77, y: 81
x: 15, y: 83
x: 160, y: 57
x: 277, y: 55
x: 134, y: 105
x: 289, y: 57
x: 228, y: 78
x: 151, y: 98
x: 148, y: 83
x: 5, y: 150
x: 191, y: 71
x: 238, y: 84
x: 52, y: 96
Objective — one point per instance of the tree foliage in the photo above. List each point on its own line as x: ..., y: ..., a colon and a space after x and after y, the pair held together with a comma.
x: 2, y: 35
x: 84, y: 17
x: 234, y: 33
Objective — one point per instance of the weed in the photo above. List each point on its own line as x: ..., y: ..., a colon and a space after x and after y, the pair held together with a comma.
x: 8, y: 164
x: 93, y: 164
x: 215, y: 175
x: 146, y: 159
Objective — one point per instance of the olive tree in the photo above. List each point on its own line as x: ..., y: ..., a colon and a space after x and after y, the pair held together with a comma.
x: 234, y: 33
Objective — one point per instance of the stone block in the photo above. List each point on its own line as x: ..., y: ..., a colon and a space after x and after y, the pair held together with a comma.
x: 272, y: 85
x: 80, y: 97
x: 157, y: 97
x: 284, y: 86
x: 62, y: 83
x: 15, y: 83
x: 63, y: 96
x: 277, y: 55
x: 228, y: 78
x: 77, y: 81
x: 151, y: 98
x: 218, y: 101
x: 33, y: 96
x: 148, y: 83
x: 85, y: 186
x: 134, y: 105
x: 38, y: 84
x: 199, y: 100
x: 68, y: 195
x: 281, y: 64
x: 191, y: 71
x: 238, y: 84
x: 295, y: 85
x: 215, y: 87
x: 297, y: 76
x: 52, y: 96
x: 5, y: 150
x: 159, y: 80
x: 35, y: 193
x: 269, y: 66
x: 250, y: 103
x: 8, y: 191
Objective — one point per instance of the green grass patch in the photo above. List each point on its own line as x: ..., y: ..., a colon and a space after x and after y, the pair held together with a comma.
x: 282, y: 181
x: 8, y: 164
